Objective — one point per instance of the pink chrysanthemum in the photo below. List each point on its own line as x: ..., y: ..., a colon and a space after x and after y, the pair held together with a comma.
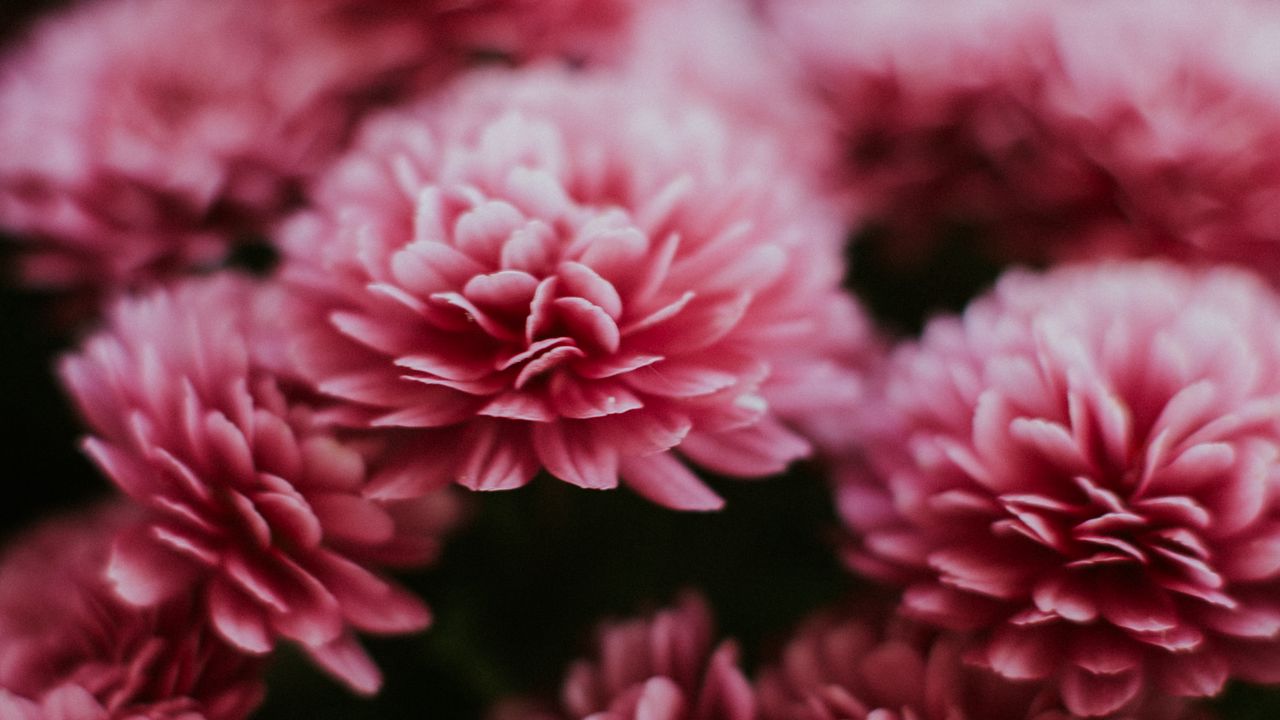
x: 71, y: 650
x: 846, y: 667
x: 1051, y: 127
x: 543, y: 270
x: 1082, y: 469
x: 658, y: 668
x: 251, y: 506
x: 139, y: 137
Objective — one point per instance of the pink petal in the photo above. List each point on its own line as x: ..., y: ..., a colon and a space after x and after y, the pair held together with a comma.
x: 507, y: 290
x: 373, y: 387
x: 424, y: 268
x: 449, y: 358
x: 677, y: 379
x: 71, y: 702
x: 1090, y: 694
x: 595, y: 368
x: 589, y: 324
x: 1064, y: 596
x: 346, y: 661
x: 1141, y: 608
x: 351, y: 518
x: 581, y: 281
x: 291, y: 517
x: 238, y: 619
x: 496, y: 456
x: 530, y: 248
x: 133, y: 477
x: 1256, y: 559
x: 547, y: 362
x: 297, y: 605
x: 697, y: 327
x: 644, y: 433
x: 376, y: 334
x: 657, y: 317
x: 143, y: 572
x: 482, y: 231
x: 1020, y: 654
x: 1202, y: 674
x: 432, y: 410
x: 517, y: 405
x: 663, y: 479
x: 986, y: 571
x: 571, y: 453
x: 765, y: 448
x: 473, y: 314
x: 368, y: 602
x: 583, y: 399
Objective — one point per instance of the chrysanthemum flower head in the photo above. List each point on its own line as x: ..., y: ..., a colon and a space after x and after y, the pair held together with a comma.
x: 662, y: 667
x: 1082, y: 469
x: 863, y: 666
x: 251, y: 507
x: 139, y: 137
x: 543, y: 270
x: 71, y: 650
x: 1054, y: 130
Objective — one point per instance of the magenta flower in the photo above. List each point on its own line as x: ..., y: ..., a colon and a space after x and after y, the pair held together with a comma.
x: 139, y: 137
x: 658, y: 668
x: 845, y: 667
x: 1080, y: 470
x: 251, y: 506
x: 71, y: 650
x: 1057, y: 129
x: 544, y: 270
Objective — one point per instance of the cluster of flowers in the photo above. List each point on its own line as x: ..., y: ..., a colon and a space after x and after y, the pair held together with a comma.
x: 603, y: 241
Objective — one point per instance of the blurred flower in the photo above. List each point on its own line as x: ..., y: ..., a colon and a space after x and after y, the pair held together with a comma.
x: 252, y: 508
x: 1081, y: 469
x: 741, y: 68
x: 843, y: 666
x: 140, y: 138
x: 545, y: 270
x: 1060, y: 129
x: 71, y: 650
x: 658, y: 668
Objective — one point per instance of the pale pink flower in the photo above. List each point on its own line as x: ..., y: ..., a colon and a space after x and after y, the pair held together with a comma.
x: 1081, y: 470
x: 546, y: 270
x: 251, y: 507
x: 1055, y: 129
x: 855, y: 666
x: 139, y: 138
x: 662, y: 667
x: 721, y: 51
x: 71, y: 650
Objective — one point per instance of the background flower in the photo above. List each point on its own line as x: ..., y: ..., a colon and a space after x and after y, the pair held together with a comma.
x: 1080, y: 469
x: 142, y: 137
x: 1052, y: 130
x: 71, y: 650
x: 857, y: 665
x: 663, y: 667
